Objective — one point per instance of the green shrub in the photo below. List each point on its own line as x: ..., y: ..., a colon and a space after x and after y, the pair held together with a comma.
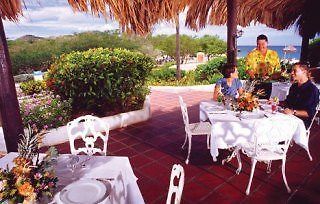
x: 32, y: 87
x: 211, y: 71
x: 164, y: 74
x: 101, y: 80
x: 242, y: 68
x: 188, y: 79
x: 212, y: 67
x: 44, y: 111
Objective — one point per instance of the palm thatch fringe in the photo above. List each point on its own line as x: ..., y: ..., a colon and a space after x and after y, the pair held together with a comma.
x: 279, y: 14
x: 10, y: 9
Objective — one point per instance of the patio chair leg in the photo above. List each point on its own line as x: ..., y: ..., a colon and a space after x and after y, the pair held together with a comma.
x: 284, y: 175
x: 269, y: 164
x: 189, y: 149
x: 185, y: 141
x: 208, y: 141
x: 239, y: 162
x: 310, y: 157
x: 253, y: 161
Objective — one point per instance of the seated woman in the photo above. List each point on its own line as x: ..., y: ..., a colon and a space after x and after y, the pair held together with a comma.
x: 303, y: 95
x: 229, y: 85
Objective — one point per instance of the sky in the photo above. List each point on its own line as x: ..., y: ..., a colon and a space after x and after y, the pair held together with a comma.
x: 55, y: 17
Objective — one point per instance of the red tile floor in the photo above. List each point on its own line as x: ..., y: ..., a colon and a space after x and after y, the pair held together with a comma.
x: 155, y: 145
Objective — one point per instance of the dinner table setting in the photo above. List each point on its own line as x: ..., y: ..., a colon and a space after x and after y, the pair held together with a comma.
x: 88, y: 179
x: 233, y: 128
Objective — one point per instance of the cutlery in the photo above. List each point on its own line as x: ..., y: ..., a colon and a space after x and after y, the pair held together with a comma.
x: 105, y: 179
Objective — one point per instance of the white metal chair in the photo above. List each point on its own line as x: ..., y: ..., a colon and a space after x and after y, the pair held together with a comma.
x: 177, y: 172
x: 309, y: 128
x: 201, y: 128
x: 270, y: 143
x: 89, y: 128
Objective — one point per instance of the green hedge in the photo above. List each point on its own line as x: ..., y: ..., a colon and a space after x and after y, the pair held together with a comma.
x: 101, y: 80
x: 163, y: 74
x: 211, y: 71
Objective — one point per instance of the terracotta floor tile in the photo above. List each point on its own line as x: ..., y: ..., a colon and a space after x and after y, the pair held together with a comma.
x: 128, y: 152
x: 139, y: 160
x: 154, y: 170
x: 116, y: 146
x: 194, y: 192
x: 152, y: 191
x: 155, y: 154
x: 209, y: 180
x: 232, y: 191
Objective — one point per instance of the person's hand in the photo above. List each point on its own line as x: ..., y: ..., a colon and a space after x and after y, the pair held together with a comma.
x: 288, y: 111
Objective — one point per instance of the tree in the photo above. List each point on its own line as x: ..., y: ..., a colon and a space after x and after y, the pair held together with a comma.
x: 212, y: 45
x: 165, y: 43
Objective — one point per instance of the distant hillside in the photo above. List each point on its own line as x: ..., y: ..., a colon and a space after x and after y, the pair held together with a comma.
x: 29, y: 38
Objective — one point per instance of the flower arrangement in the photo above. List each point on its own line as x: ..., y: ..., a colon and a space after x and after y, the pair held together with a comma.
x: 247, y: 102
x: 44, y: 111
x: 27, y: 181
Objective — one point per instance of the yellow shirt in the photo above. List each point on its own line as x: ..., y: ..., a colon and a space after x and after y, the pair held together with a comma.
x: 259, y: 64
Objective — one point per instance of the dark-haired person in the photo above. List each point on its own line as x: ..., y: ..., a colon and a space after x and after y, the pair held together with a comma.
x: 303, y: 95
x: 262, y: 61
x: 229, y: 85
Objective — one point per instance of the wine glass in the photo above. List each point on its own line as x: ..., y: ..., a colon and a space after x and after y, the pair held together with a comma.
x: 73, y: 161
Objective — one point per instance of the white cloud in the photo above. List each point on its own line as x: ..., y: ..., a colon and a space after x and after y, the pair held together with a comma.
x: 55, y: 17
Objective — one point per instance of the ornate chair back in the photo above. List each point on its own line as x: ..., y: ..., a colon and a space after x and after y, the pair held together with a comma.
x: 176, y: 173
x: 89, y: 128
x: 185, y: 116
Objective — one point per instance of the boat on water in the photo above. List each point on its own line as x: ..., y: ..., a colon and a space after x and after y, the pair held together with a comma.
x: 289, y: 48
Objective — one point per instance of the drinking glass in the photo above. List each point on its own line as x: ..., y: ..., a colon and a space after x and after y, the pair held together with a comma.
x: 73, y: 161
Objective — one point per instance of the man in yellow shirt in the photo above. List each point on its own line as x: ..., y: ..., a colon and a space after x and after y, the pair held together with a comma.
x: 262, y: 62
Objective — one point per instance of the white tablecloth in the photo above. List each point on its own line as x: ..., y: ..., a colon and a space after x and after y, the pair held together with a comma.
x: 281, y: 90
x: 230, y: 131
x: 124, y: 185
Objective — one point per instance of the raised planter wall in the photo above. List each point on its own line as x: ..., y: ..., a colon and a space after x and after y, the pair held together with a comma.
x: 59, y: 135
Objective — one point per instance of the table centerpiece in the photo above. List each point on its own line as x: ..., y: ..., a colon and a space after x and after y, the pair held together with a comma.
x: 30, y: 179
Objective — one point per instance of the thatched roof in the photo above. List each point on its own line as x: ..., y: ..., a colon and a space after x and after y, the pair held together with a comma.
x: 10, y: 9
x: 136, y: 16
x: 139, y: 16
x: 278, y: 14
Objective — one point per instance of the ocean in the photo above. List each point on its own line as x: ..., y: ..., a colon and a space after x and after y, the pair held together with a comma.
x: 244, y: 50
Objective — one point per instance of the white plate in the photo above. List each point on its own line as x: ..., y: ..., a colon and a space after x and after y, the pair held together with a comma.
x: 214, y: 108
x: 85, y: 191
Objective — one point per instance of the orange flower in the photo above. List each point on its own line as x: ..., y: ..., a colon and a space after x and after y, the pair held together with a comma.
x: 26, y: 189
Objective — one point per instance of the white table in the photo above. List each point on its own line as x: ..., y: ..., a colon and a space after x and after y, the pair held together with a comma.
x: 281, y: 90
x: 124, y: 185
x: 228, y: 130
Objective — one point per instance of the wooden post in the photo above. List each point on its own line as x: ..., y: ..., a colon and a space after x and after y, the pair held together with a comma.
x: 232, y: 31
x: 304, y: 48
x: 9, y: 106
x: 178, y: 71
